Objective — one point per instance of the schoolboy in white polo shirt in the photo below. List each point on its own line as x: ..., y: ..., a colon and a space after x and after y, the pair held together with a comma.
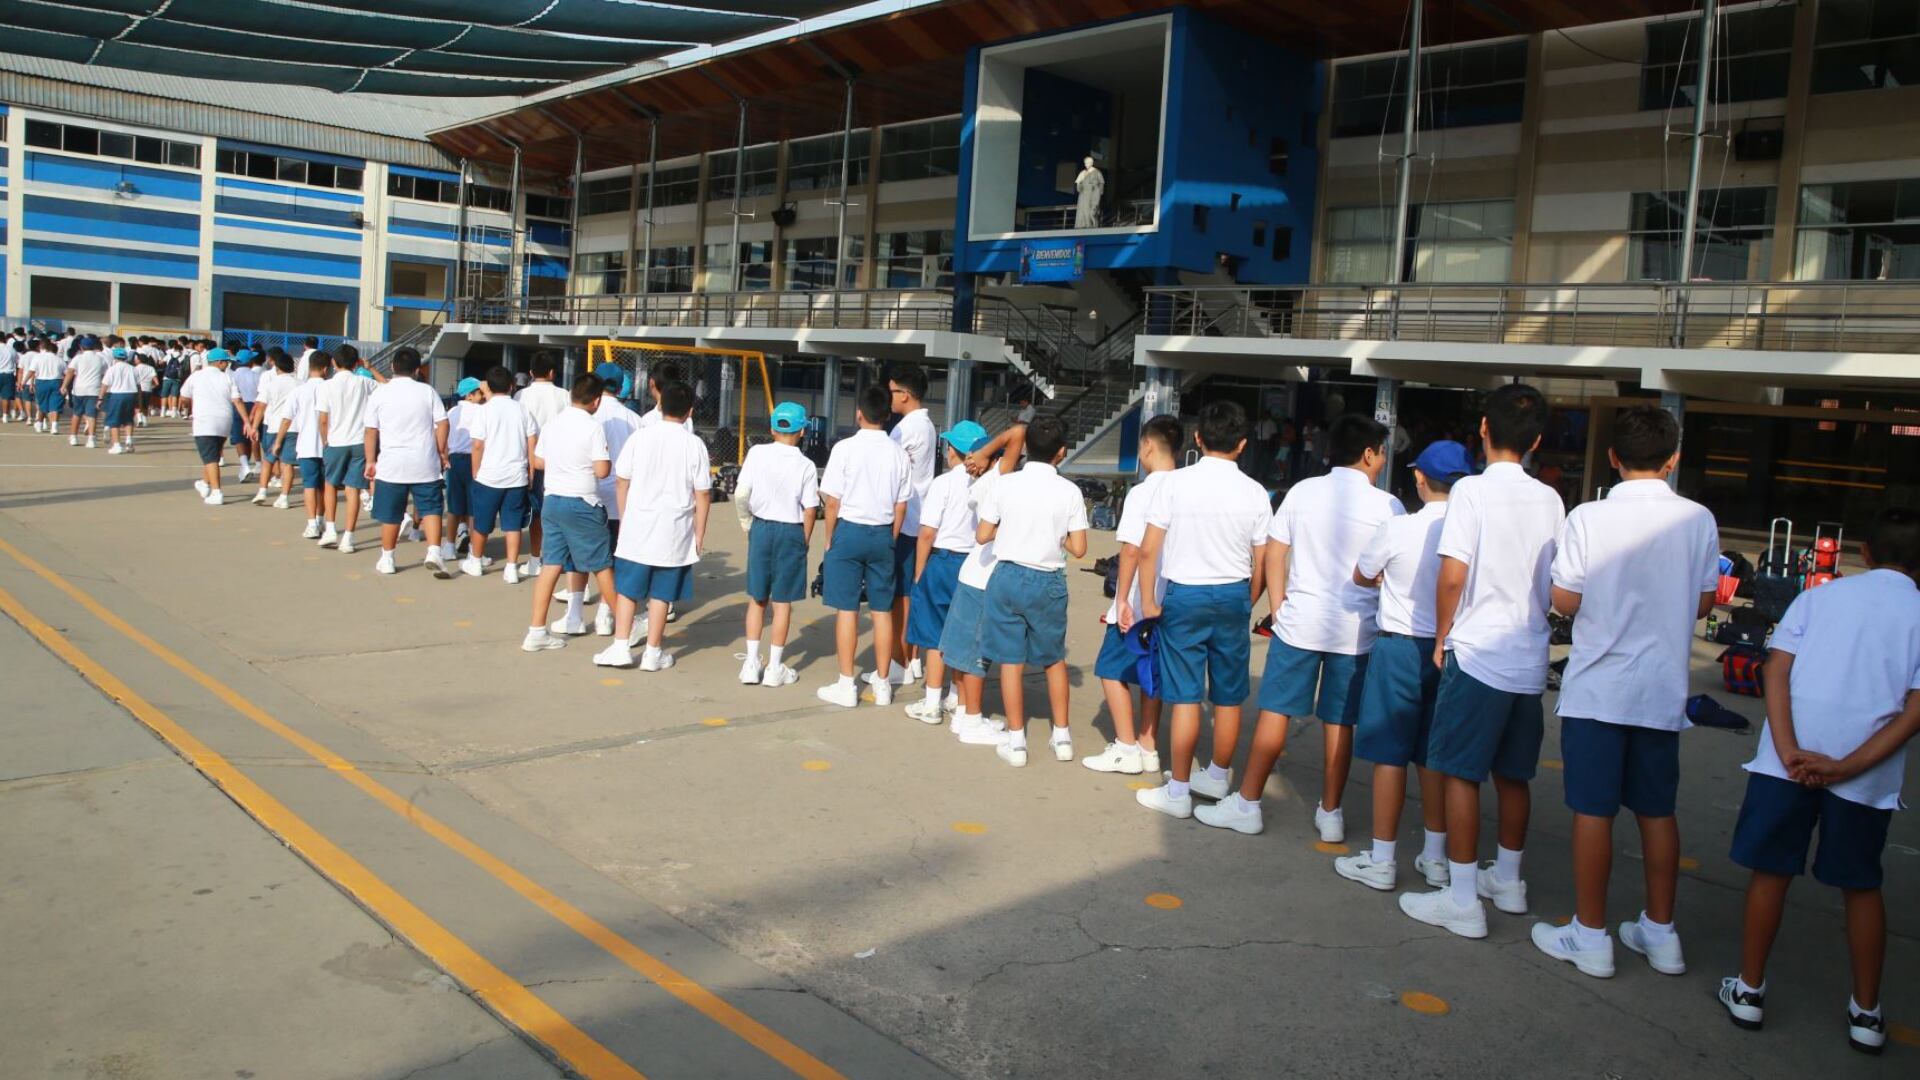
x: 962, y: 635
x: 342, y: 411
x: 779, y: 492
x: 949, y: 531
x: 665, y: 491
x: 210, y: 393
x: 1034, y: 518
x: 544, y: 401
x: 915, y: 435
x: 1496, y: 551
x: 270, y: 409
x: 1323, y: 623
x: 1396, y: 700
x: 1843, y: 701
x: 83, y: 379
x: 1205, y: 531
x: 300, y: 426
x: 572, y: 451
x: 865, y: 488
x: 468, y: 395
x: 1134, y: 749
x: 119, y: 399
x: 503, y: 439
x: 406, y: 450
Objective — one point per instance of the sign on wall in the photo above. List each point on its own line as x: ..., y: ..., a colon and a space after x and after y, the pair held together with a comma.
x: 1052, y: 260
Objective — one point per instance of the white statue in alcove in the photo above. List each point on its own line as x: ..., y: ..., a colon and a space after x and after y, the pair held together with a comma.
x: 1090, y: 185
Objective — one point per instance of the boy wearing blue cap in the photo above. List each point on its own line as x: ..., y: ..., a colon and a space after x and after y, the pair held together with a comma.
x: 664, y: 488
x: 406, y: 453
x: 503, y: 437
x: 210, y: 394
x: 961, y: 639
x: 948, y: 531
x: 122, y: 391
x: 1402, y: 561
x: 82, y: 388
x: 246, y: 380
x: 865, y: 489
x: 778, y: 496
x: 469, y: 393
x: 1134, y: 749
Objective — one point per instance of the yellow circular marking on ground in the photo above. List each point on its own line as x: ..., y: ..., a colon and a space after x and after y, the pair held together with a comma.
x: 1688, y: 862
x: 969, y: 828
x: 403, y: 599
x: 1142, y: 785
x: 1551, y: 763
x: 463, y: 624
x: 1903, y: 1033
x: 1325, y: 848
x: 816, y: 765
x: 715, y: 721
x: 1424, y: 1003
x: 613, y: 682
x: 1164, y: 901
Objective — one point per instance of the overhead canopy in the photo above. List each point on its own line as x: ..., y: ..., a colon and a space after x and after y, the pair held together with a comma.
x: 462, y: 48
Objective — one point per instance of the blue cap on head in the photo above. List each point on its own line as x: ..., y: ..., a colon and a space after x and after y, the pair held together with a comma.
x: 217, y: 355
x: 789, y: 417
x: 966, y: 437
x: 119, y: 352
x: 610, y: 372
x: 1444, y: 461
x: 467, y: 386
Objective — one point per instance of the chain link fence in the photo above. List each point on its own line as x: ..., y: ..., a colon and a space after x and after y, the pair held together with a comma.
x: 731, y: 394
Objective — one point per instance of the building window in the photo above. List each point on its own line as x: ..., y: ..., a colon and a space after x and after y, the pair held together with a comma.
x: 920, y: 151
x: 1864, y: 231
x: 916, y: 260
x: 287, y: 170
x: 1459, y: 87
x: 607, y: 195
x: 1866, y: 45
x: 673, y: 187
x: 424, y: 189
x: 1449, y: 243
x: 600, y: 273
x: 1734, y: 241
x: 417, y: 281
x: 759, y: 175
x: 756, y: 268
x: 810, y: 262
x: 670, y: 269
x: 814, y: 164
x: 75, y: 139
x: 1751, y: 54
x: 549, y: 206
x: 488, y: 197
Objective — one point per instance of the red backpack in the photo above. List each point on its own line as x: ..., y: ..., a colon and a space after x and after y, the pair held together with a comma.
x: 1740, y: 668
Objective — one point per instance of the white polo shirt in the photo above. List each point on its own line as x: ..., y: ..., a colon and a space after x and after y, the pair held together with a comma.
x: 212, y: 394
x: 945, y: 509
x: 89, y: 367
x: 301, y: 365
x: 504, y: 426
x: 1214, y: 516
x: 305, y: 422
x: 978, y: 569
x: 781, y: 483
x: 1856, y: 653
x: 655, y: 416
x: 664, y: 465
x: 121, y: 379
x: 915, y: 436
x: 146, y: 376
x: 1327, y: 522
x: 619, y: 423
x: 405, y: 411
x: 1504, y: 525
x: 275, y: 389
x: 459, y: 439
x: 868, y: 473
x: 1406, y: 549
x: 1034, y: 510
x: 1639, y: 558
x: 1132, y: 530
x: 568, y: 447
x: 49, y: 366
x: 246, y: 379
x: 343, y: 401
x: 9, y: 357
x: 543, y: 401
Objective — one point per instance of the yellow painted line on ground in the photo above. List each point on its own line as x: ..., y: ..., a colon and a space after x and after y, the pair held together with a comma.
x: 508, y: 998
x: 655, y: 970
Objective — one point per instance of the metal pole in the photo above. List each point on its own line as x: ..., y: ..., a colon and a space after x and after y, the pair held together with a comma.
x: 1702, y: 83
x: 653, y: 166
x: 513, y: 232
x: 1675, y: 403
x: 460, y: 251
x: 573, y: 216
x: 1386, y: 401
x: 840, y: 228
x: 739, y: 178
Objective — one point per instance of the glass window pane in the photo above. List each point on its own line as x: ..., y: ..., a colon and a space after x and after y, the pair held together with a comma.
x: 44, y: 135
x: 184, y: 155
x: 116, y: 145
x: 81, y: 140
x: 151, y: 151
x: 290, y: 169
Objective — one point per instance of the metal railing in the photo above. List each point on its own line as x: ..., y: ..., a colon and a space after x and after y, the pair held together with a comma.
x: 835, y: 309
x: 1793, y: 316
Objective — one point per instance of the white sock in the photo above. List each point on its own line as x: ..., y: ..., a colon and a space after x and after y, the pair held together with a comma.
x: 1654, y: 931
x: 1215, y: 772
x: 753, y: 652
x: 1436, y: 846
x: 1854, y: 1004
x: 574, y: 600
x: 1129, y: 747
x: 1384, y: 850
x: 1176, y: 789
x: 536, y: 629
x: 605, y: 609
x: 1586, y: 935
x: 933, y: 696
x: 1017, y: 740
x: 650, y: 653
x: 1462, y: 885
x: 1506, y: 864
x: 1740, y: 984
x: 774, y: 654
x: 1243, y: 805
x: 844, y: 682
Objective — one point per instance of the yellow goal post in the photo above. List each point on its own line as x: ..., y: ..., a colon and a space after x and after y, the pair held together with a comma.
x: 732, y: 396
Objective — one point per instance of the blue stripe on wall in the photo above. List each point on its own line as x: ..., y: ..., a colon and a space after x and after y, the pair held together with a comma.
x: 274, y: 226
x: 229, y: 183
x: 110, y: 221
x: 416, y: 305
x: 429, y: 174
x: 281, y: 151
x: 546, y: 266
x: 409, y: 227
x: 110, y: 260
x: 285, y: 261
x: 308, y: 215
x: 548, y: 233
x: 107, y: 175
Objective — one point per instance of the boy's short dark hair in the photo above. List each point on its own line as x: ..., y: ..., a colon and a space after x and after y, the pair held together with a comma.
x: 321, y: 361
x: 345, y: 357
x: 543, y: 364
x: 676, y: 400
x: 1894, y: 539
x: 282, y: 362
x: 406, y: 361
x: 1046, y: 437
x: 1644, y: 437
x: 910, y: 377
x: 663, y: 373
x: 1352, y: 436
x: 587, y: 389
x: 874, y: 406
x: 499, y: 379
x: 1516, y: 417
x: 1438, y: 487
x: 1166, y: 431
x: 1223, y: 426
x: 313, y: 343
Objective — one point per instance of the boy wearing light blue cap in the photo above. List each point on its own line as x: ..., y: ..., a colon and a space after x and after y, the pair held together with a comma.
x: 778, y: 496
x: 948, y: 528
x: 469, y: 394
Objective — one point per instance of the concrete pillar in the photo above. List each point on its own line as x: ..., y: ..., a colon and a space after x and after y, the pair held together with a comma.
x: 830, y: 398
x: 959, y: 392
x: 1386, y: 409
x: 1676, y: 404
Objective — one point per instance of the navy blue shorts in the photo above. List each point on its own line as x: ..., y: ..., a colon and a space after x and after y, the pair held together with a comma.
x: 1026, y: 620
x: 119, y: 410
x: 575, y: 535
x: 459, y: 476
x: 345, y: 466
x: 860, y: 554
x: 776, y: 562
x: 209, y: 448
x: 1777, y: 823
x: 1292, y: 674
x: 960, y: 637
x: 1205, y: 643
x: 1608, y: 766
x: 390, y: 501
x: 312, y: 471
x: 1478, y: 730
x: 238, y: 435
x: 85, y: 404
x: 169, y: 387
x: 1116, y: 662
x: 9, y: 382
x: 504, y: 507
x: 47, y: 396
x: 1396, y: 701
x: 289, y: 447
x: 906, y: 552
x: 932, y: 596
x: 640, y: 583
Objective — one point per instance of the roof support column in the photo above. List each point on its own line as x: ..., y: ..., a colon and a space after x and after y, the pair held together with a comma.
x: 515, y: 289
x: 460, y: 250
x: 840, y: 204
x: 1386, y: 401
x: 573, y: 205
x: 653, y: 166
x: 739, y: 178
x: 1702, y: 83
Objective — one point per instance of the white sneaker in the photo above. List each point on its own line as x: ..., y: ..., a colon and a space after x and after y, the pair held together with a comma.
x: 330, y: 537
x: 1437, y: 908
x: 1866, y: 1033
x: 1014, y: 754
x: 1115, y: 759
x: 127, y: 447
x: 1157, y: 799
x: 618, y: 654
x: 115, y: 450
x: 276, y: 483
x: 751, y: 672
x: 925, y: 712
x: 638, y: 634
x: 882, y: 693
x: 603, y: 621
x: 1362, y: 868
x: 981, y: 732
x: 1663, y: 956
x: 1062, y: 748
x: 839, y: 693
x: 283, y: 503
x: 1227, y: 814
x: 435, y: 562
x: 1149, y: 760
x: 1747, y: 1009
x: 406, y: 524
x: 311, y: 532
x: 1563, y: 943
x: 202, y: 487
x: 1331, y: 823
x: 538, y: 640
x: 573, y: 627
x: 778, y: 675
x: 1205, y: 786
x: 385, y: 563
x: 916, y: 671
x: 91, y: 445
x: 346, y: 543
x: 471, y: 567
x: 510, y: 574
x: 896, y: 674
x: 246, y: 472
x: 447, y: 554
x: 533, y: 566
x: 73, y: 440
x: 1436, y: 871
x: 259, y: 497
x: 1508, y: 896
x: 216, y: 499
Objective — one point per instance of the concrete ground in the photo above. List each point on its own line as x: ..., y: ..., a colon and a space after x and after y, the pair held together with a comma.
x: 878, y: 897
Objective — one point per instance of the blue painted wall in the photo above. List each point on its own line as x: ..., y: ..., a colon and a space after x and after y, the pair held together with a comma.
x: 105, y: 174
x: 109, y: 260
x: 110, y: 221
